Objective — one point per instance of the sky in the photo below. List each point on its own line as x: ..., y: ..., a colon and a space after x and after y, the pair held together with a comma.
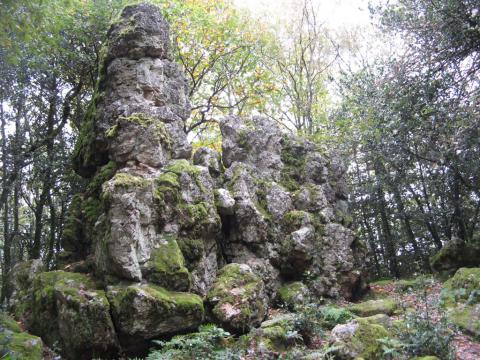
x: 334, y: 13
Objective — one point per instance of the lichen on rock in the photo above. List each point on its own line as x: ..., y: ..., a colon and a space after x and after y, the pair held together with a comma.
x: 238, y: 298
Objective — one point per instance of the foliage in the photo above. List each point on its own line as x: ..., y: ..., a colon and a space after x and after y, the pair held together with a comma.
x: 210, y: 342
x: 423, y: 336
x: 409, y: 123
x: 312, y: 319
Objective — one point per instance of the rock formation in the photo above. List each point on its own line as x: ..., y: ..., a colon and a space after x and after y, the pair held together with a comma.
x: 159, y: 243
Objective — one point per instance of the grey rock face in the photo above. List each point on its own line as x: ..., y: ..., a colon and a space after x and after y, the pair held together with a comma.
x: 147, y: 311
x: 209, y: 158
x: 290, y: 213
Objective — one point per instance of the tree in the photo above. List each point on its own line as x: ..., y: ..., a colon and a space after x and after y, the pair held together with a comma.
x: 412, y: 120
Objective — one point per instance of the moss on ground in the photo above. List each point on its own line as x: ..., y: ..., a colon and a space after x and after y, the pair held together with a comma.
x: 19, y: 345
x: 467, y: 318
x: 386, y: 306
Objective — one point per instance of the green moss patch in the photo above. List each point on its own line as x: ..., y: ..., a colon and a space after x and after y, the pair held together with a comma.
x: 236, y: 297
x: 364, y: 343
x: 192, y: 250
x: 294, y: 159
x: 105, y: 173
x: 386, y: 306
x: 149, y: 310
x: 20, y: 345
x: 467, y: 318
x: 129, y: 181
x: 138, y: 118
x: 166, y: 267
x: 294, y: 220
x: 86, y: 157
x: 293, y: 294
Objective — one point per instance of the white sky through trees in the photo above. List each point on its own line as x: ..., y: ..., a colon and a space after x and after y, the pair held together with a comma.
x: 334, y: 13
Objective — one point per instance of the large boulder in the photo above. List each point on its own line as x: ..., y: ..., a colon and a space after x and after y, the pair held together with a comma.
x: 17, y: 344
x: 290, y: 219
x: 461, y: 297
x: 358, y: 339
x: 71, y: 312
x: 143, y: 312
x: 456, y: 254
x: 237, y: 298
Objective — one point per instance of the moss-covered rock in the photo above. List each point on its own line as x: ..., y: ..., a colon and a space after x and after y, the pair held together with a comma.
x: 358, y: 339
x: 379, y: 319
x: 386, y: 306
x: 149, y: 311
x: 237, y: 298
x: 68, y: 310
x: 465, y: 278
x: 16, y: 344
x: 275, y: 335
x: 467, y: 318
x: 413, y: 284
x: 461, y: 296
x: 20, y: 280
x: 166, y: 267
x: 293, y: 294
x: 456, y: 254
x: 86, y: 157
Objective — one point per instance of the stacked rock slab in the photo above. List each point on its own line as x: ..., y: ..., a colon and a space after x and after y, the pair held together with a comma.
x: 159, y: 232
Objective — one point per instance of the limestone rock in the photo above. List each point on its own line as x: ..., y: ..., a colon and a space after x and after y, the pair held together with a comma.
x: 237, y: 298
x: 460, y: 297
x: 142, y: 312
x: 293, y: 294
x: 70, y: 311
x: 16, y: 344
x: 20, y: 280
x: 210, y: 159
x: 290, y: 212
x: 358, y: 339
x: 224, y: 202
x: 456, y: 254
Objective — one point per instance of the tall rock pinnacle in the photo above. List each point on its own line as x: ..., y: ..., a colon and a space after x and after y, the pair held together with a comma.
x: 160, y: 241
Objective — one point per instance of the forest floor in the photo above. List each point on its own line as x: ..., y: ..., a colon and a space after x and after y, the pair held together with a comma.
x: 422, y: 300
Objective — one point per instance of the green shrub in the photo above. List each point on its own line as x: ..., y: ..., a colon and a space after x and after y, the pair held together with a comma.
x: 209, y: 343
x: 422, y: 336
x: 312, y: 319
